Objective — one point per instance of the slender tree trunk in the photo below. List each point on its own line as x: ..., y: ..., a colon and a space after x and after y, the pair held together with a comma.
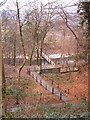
x: 22, y: 42
x: 3, y: 108
x: 9, y: 55
x: 88, y: 51
x: 0, y: 74
x: 41, y: 55
x: 38, y: 56
x: 14, y: 52
x: 31, y: 56
x: 37, y: 53
x: 32, y: 53
x: 19, y: 55
x: 42, y: 42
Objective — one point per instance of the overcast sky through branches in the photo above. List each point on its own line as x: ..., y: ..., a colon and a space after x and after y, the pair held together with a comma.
x: 11, y: 3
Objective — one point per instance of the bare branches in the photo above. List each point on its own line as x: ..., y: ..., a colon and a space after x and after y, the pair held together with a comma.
x: 63, y: 14
x: 68, y: 26
x: 3, y: 2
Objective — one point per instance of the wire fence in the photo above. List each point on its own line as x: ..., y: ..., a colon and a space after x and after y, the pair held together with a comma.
x: 48, y: 86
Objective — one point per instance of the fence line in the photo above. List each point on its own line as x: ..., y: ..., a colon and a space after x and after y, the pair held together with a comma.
x: 49, y: 87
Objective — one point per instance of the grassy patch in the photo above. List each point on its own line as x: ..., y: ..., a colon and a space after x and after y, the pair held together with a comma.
x: 66, y: 110
x: 58, y: 77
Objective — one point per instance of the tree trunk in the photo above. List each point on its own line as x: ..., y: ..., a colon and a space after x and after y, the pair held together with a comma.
x: 9, y: 56
x: 0, y: 76
x: 37, y: 53
x: 42, y: 42
x: 3, y: 108
x: 41, y: 55
x: 22, y: 43
x: 32, y: 53
x: 38, y: 56
x: 14, y: 52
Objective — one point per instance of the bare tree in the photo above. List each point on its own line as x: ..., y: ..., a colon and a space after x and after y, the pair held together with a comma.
x: 9, y: 35
x: 21, y: 39
x: 0, y: 73
x: 3, y: 108
x: 39, y: 18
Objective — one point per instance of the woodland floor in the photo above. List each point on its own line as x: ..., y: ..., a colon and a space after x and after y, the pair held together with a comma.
x: 77, y: 85
x: 36, y: 96
x: 30, y: 86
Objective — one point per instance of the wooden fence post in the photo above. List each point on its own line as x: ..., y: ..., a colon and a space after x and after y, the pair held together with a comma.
x: 40, y: 96
x: 68, y: 91
x: 58, y: 85
x: 60, y: 96
x: 52, y: 90
x: 29, y: 71
x: 36, y: 79
x: 46, y: 87
x: 41, y: 82
x: 59, y: 69
x: 52, y: 82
